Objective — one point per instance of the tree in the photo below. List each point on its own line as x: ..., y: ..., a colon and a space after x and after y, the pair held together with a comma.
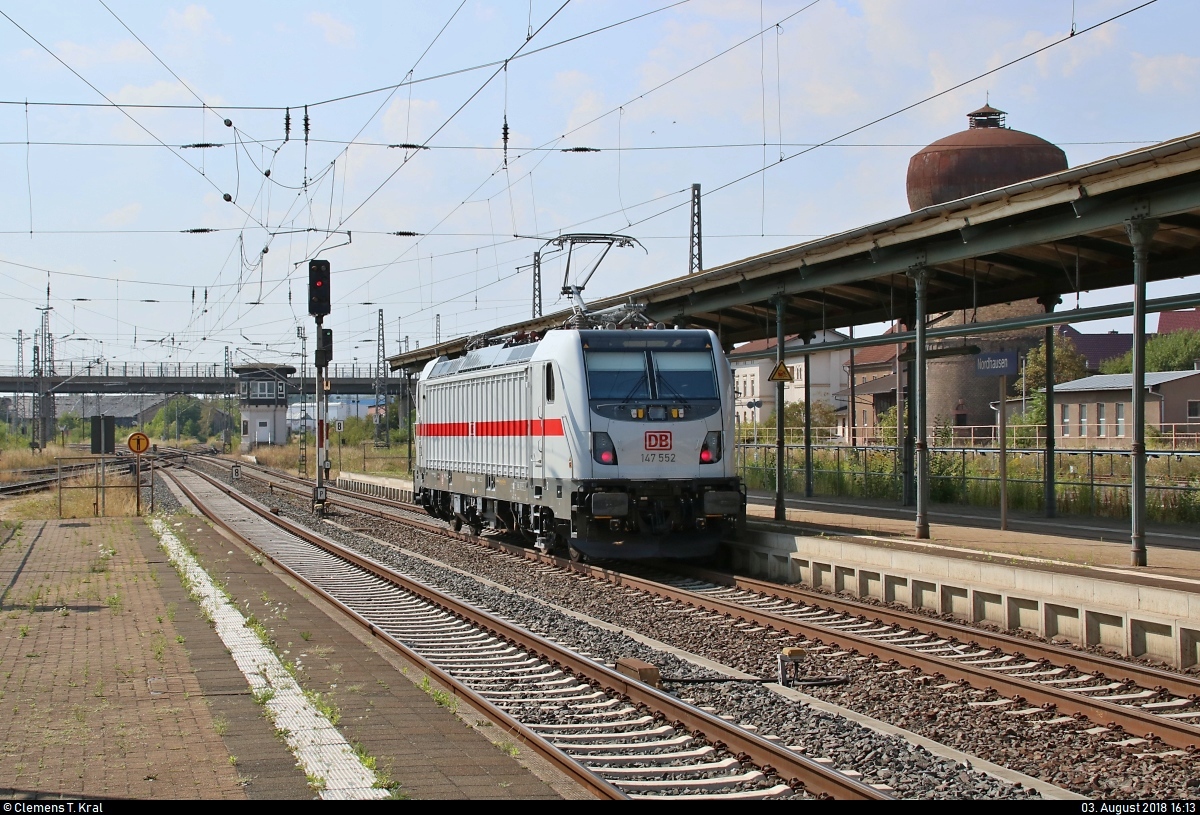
x: 1177, y: 351
x: 1069, y: 365
x: 824, y: 417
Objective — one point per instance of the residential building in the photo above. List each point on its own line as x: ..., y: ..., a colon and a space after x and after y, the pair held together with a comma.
x: 753, y: 363
x: 1097, y: 348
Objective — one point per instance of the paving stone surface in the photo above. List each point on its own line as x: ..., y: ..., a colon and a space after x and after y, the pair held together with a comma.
x: 96, y: 685
x: 113, y: 685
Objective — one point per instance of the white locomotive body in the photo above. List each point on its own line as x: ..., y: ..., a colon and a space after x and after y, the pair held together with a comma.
x: 609, y: 443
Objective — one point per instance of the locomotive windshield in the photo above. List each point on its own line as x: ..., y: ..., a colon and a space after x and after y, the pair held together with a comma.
x: 624, y: 375
x: 617, y: 375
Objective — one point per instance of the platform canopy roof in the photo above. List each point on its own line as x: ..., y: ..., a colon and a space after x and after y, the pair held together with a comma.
x: 1043, y: 238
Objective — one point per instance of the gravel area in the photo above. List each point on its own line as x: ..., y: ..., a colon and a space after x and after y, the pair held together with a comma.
x: 911, y: 771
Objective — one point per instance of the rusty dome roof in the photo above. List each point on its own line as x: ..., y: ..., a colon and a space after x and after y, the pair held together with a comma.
x: 983, y: 157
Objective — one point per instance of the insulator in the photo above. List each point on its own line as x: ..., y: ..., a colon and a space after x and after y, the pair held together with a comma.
x: 287, y: 124
x: 306, y: 124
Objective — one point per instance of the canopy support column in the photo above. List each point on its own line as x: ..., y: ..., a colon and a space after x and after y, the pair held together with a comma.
x: 920, y: 276
x: 1140, y: 231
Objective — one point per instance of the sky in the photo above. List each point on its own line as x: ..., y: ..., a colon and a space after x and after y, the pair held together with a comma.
x: 103, y: 104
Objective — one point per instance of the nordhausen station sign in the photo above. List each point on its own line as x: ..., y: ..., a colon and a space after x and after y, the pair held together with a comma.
x: 1002, y: 364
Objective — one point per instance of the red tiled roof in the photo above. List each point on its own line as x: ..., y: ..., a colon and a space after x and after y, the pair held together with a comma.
x: 758, y: 346
x: 875, y: 354
x: 1186, y: 320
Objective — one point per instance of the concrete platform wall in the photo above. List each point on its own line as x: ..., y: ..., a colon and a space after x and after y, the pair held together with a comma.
x: 1159, y: 623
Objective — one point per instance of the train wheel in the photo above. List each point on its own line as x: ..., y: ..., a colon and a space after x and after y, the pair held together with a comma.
x: 575, y: 555
x: 456, y: 524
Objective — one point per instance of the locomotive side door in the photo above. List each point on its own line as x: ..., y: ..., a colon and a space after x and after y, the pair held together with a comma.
x: 537, y: 432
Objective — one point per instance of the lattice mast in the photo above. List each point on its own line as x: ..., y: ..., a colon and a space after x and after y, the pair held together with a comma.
x: 20, y: 395
x: 382, y: 437
x: 696, y: 236
x: 227, y: 435
x: 537, y: 284
x: 302, y: 463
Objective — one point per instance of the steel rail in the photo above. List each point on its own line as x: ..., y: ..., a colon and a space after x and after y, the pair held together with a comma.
x: 795, y: 769
x: 1146, y: 676
x: 560, y: 760
x: 1173, y: 732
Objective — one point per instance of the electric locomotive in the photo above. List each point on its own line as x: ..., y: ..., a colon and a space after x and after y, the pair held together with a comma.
x: 599, y: 443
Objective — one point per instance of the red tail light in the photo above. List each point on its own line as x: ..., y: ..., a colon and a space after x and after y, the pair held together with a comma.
x: 710, y: 451
x: 603, y: 449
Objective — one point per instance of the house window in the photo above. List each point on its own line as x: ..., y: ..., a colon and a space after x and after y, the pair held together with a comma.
x: 1120, y: 418
x: 1100, y: 428
x: 1066, y: 420
x: 245, y: 388
x: 262, y: 390
x: 1083, y: 421
x: 1194, y: 408
x: 245, y: 424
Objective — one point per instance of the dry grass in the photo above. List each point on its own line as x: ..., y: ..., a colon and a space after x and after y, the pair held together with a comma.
x: 286, y: 457
x: 22, y: 458
x: 119, y: 501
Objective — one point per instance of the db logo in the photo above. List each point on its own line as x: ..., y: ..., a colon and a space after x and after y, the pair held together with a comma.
x: 658, y: 439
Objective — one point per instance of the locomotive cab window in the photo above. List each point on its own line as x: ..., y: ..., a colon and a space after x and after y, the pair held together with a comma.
x: 625, y: 375
x: 685, y: 375
x: 617, y: 374
x: 549, y: 382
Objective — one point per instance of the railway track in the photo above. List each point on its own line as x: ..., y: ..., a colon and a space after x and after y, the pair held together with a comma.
x: 1035, y: 678
x: 620, y: 737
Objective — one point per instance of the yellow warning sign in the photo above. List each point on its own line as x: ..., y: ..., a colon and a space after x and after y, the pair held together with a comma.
x: 781, y: 374
x: 139, y: 443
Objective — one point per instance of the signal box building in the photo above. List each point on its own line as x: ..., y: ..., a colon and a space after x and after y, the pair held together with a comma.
x: 263, y: 399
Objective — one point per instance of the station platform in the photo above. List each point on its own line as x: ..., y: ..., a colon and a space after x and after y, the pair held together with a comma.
x: 1173, y: 550
x: 1066, y: 579
x: 115, y: 686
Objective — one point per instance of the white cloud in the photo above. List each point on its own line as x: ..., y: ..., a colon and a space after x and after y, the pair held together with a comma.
x: 1169, y: 72
x: 411, y: 122
x: 122, y: 216
x: 196, y: 20
x: 336, y: 32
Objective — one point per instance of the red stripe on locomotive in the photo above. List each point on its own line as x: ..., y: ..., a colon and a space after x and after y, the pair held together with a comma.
x: 510, y: 427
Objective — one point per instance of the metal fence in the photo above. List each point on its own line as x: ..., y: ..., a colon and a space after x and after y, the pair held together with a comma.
x: 1087, y: 481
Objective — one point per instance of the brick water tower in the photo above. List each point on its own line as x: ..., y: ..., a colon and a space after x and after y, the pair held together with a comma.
x: 985, y: 156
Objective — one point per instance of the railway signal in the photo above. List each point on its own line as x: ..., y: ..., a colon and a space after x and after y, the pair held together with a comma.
x: 318, y: 288
x: 319, y: 304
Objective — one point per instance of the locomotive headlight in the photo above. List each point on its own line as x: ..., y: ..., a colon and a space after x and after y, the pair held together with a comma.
x: 603, y: 449
x: 710, y: 451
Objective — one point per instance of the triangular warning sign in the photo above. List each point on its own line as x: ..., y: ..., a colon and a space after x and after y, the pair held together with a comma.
x: 781, y: 373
